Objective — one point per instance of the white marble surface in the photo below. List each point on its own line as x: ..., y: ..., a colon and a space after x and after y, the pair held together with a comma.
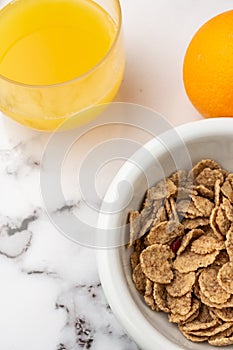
x: 50, y: 295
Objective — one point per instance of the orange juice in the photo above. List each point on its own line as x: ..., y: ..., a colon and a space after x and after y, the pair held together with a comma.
x: 47, y: 49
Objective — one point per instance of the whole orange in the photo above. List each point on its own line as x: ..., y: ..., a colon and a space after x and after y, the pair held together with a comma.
x: 208, y: 67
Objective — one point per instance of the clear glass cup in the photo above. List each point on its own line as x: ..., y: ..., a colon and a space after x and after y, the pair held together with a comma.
x: 46, y: 107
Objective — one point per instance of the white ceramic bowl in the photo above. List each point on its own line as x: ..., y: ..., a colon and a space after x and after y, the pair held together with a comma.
x: 211, y: 138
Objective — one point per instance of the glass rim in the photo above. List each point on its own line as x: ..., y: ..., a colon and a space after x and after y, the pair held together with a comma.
x: 79, y: 77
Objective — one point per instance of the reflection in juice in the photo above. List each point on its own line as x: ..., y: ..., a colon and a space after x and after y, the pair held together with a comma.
x: 45, y: 45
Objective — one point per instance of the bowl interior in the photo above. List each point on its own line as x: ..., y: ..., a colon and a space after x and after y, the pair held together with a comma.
x: 207, y: 140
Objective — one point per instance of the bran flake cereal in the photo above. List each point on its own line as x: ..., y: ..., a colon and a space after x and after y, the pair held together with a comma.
x: 182, y: 259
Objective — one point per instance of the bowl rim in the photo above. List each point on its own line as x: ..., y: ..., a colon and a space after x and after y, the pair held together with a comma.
x: 109, y: 261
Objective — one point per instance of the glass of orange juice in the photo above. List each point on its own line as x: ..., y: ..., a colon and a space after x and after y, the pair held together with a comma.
x: 57, y: 58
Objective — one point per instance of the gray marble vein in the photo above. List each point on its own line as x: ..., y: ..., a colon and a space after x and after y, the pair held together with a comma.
x: 50, y: 295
